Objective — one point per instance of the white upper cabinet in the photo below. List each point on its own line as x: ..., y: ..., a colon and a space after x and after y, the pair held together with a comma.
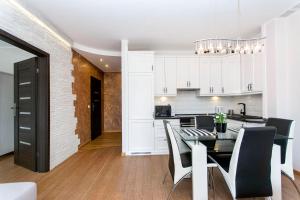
x: 258, y: 72
x: 140, y: 62
x: 170, y: 76
x: 216, y: 76
x: 204, y: 76
x: 187, y: 72
x: 247, y: 71
x: 165, y: 76
x: 252, y: 67
x: 159, y: 76
x: 231, y: 74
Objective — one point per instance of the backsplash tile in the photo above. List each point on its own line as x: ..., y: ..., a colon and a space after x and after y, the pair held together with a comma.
x: 188, y: 102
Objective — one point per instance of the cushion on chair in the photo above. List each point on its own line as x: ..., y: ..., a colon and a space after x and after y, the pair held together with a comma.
x: 186, y: 159
x: 18, y: 191
x: 223, y: 160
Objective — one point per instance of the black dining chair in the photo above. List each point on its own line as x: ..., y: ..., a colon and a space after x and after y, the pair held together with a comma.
x: 285, y: 127
x: 248, y: 171
x: 205, y: 122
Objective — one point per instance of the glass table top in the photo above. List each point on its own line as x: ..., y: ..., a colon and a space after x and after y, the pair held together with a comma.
x: 193, y: 134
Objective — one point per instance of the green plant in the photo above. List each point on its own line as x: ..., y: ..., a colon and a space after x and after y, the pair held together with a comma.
x: 220, y: 118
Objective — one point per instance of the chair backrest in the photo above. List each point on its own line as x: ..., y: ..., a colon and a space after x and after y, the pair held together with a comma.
x: 250, y: 165
x: 284, y: 127
x: 205, y: 122
x: 174, y: 154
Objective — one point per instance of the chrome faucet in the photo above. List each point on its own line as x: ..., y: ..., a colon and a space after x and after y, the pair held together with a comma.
x: 243, y: 110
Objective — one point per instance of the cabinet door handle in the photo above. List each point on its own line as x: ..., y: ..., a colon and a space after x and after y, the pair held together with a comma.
x: 248, y: 87
x: 251, y: 86
x: 212, y: 89
x: 222, y: 89
x: 166, y: 90
x: 187, y: 84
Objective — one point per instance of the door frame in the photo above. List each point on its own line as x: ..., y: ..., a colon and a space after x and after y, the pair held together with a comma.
x: 43, y: 99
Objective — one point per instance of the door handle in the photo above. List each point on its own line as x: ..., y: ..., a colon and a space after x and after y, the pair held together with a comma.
x: 14, y: 108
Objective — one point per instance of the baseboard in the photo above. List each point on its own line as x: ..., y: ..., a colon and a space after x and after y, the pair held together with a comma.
x: 112, y: 131
x: 297, y: 172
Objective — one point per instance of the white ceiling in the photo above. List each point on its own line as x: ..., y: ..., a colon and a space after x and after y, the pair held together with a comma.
x: 155, y: 24
x: 113, y: 62
x: 158, y: 25
x: 9, y: 55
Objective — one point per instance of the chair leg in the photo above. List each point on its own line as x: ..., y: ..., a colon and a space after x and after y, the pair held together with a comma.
x: 213, y: 183
x: 165, y: 177
x: 174, y: 187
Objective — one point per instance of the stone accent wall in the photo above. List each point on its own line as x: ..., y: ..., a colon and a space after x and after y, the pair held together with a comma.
x: 112, y: 102
x: 63, y: 141
x: 83, y: 70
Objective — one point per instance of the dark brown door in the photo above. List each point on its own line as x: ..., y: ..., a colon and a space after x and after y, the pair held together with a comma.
x: 95, y: 108
x: 25, y: 89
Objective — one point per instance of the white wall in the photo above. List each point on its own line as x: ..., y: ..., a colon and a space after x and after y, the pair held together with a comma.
x: 186, y: 102
x: 283, y: 67
x: 63, y: 141
x: 293, y: 70
x: 6, y: 113
x: 9, y: 55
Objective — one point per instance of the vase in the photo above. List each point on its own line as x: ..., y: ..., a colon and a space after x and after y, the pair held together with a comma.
x: 221, y: 127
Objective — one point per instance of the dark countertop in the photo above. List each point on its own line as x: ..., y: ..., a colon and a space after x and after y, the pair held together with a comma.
x: 248, y: 118
x: 172, y: 117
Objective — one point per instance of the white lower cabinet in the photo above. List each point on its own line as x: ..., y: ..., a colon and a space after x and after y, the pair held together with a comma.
x: 161, y: 143
x: 141, y: 138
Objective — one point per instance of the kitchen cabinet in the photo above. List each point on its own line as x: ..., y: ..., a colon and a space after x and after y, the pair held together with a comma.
x: 141, y: 136
x: 187, y: 72
x: 161, y: 144
x: 231, y: 75
x: 216, y: 76
x: 165, y: 76
x: 140, y: 103
x: 258, y: 72
x: 141, y: 98
x: 210, y: 76
x: 252, y: 66
x: 140, y: 61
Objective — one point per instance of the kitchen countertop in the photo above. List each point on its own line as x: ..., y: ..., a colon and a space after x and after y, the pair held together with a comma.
x: 172, y: 117
x: 246, y: 118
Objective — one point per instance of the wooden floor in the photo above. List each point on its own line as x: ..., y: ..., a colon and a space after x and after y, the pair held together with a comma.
x: 107, y: 139
x: 103, y: 174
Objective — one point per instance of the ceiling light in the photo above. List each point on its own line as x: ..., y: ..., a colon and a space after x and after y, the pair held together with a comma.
x: 217, y: 46
x: 106, y: 65
x: 101, y: 60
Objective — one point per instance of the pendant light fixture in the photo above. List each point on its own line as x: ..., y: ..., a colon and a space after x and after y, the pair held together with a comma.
x: 223, y: 46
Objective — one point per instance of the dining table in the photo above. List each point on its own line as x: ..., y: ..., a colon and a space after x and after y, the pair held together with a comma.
x: 202, y: 142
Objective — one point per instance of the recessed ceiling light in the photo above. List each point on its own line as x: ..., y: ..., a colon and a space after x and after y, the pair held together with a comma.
x: 106, y: 65
x: 101, y: 60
